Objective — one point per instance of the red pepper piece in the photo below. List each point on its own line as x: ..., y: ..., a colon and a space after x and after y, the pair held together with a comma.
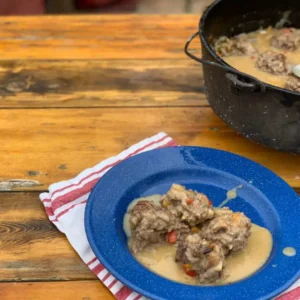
x: 172, y: 237
x: 187, y: 270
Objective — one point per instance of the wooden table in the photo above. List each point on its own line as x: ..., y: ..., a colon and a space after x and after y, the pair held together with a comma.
x: 75, y: 90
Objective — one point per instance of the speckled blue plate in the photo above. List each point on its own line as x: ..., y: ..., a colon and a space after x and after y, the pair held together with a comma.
x: 265, y: 198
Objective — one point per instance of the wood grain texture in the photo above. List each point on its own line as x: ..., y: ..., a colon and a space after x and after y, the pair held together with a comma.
x: 75, y: 90
x: 96, y: 37
x: 31, y: 248
x: 56, y: 144
x: 68, y: 290
x: 108, y: 83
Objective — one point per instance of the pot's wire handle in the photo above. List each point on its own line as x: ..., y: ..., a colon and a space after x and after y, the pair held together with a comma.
x: 232, y: 74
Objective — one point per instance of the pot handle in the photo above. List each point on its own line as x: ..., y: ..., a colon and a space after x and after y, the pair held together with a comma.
x: 233, y: 75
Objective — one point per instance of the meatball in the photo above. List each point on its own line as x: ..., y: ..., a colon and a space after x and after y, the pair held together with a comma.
x: 288, y: 39
x: 293, y: 83
x: 200, y: 258
x: 150, y: 224
x: 228, y: 229
x: 238, y: 46
x: 272, y: 62
x: 189, y: 206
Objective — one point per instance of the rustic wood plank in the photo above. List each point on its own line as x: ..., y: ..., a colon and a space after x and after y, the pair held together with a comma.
x: 50, y: 145
x: 82, y: 83
x: 67, y: 290
x: 95, y: 37
x: 31, y: 248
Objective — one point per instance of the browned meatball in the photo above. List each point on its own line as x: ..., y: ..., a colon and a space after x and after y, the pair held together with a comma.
x: 238, y: 46
x: 272, y: 62
x: 200, y: 258
x: 229, y: 229
x: 189, y: 206
x: 150, y: 225
x: 293, y: 83
x: 287, y: 39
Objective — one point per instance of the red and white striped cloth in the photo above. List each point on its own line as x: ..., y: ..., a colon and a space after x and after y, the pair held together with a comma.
x: 65, y: 205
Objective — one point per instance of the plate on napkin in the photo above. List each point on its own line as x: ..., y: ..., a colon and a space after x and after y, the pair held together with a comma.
x: 264, y: 197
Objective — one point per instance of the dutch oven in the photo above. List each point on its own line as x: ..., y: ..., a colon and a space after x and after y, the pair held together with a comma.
x: 261, y: 112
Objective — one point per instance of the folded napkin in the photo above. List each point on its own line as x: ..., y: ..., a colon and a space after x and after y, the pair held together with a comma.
x: 65, y: 205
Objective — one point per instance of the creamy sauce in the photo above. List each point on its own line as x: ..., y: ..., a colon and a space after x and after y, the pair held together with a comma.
x: 230, y: 195
x: 238, y: 266
x: 289, y: 251
x: 243, y: 264
x: 261, y: 41
x: 160, y: 259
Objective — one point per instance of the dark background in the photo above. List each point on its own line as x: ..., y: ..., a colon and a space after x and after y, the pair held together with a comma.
x: 33, y: 7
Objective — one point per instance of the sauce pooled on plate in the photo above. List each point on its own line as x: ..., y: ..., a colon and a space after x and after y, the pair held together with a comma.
x: 194, y: 243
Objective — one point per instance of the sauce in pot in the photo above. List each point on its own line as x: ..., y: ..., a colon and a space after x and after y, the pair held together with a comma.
x: 261, y: 41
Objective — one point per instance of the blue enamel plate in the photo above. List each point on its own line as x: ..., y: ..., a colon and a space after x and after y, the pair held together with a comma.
x: 265, y: 198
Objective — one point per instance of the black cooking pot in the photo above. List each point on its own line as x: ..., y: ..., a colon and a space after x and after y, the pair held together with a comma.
x: 259, y: 111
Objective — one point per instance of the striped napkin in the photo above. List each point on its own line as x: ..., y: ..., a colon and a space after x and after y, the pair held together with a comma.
x: 65, y: 205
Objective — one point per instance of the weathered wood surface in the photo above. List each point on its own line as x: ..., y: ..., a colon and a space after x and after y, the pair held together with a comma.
x: 75, y: 90
x: 65, y: 290
x: 31, y: 248
x: 50, y: 145
x: 101, y: 83
x: 96, y: 37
